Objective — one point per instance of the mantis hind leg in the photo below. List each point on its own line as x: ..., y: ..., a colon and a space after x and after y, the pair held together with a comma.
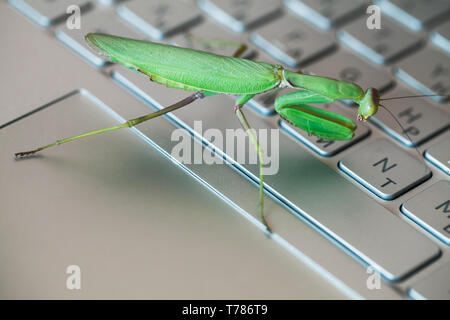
x: 127, y: 124
x: 248, y: 129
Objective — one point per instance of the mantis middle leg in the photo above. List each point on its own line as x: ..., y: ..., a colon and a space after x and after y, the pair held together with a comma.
x: 251, y: 134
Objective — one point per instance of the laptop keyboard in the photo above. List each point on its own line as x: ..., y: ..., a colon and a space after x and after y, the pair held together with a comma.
x: 327, y: 38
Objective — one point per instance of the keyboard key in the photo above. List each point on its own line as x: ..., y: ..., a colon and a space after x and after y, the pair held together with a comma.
x: 379, y: 46
x: 419, y: 118
x: 439, y: 155
x: 416, y: 15
x: 441, y: 36
x: 47, y: 12
x: 159, y: 19
x: 241, y: 15
x: 436, y: 286
x: 305, y: 183
x: 292, y: 41
x: 427, y: 71
x: 326, y: 148
x: 95, y: 21
x: 345, y: 66
x: 210, y: 37
x: 431, y: 210
x: 326, y: 14
x: 384, y: 169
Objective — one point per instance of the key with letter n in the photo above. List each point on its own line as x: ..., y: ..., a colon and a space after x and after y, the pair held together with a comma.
x: 384, y: 169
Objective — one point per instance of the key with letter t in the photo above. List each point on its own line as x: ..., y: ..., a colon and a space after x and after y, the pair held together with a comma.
x: 384, y: 169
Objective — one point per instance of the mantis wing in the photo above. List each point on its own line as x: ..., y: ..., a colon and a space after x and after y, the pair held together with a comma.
x: 187, y: 69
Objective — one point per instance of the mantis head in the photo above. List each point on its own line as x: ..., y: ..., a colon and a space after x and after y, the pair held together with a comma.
x: 368, y: 104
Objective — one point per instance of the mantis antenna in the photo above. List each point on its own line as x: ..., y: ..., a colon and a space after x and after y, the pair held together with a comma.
x: 416, y: 96
x: 403, y: 129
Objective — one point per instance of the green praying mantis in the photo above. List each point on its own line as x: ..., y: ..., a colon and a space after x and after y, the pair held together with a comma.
x: 206, y: 74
